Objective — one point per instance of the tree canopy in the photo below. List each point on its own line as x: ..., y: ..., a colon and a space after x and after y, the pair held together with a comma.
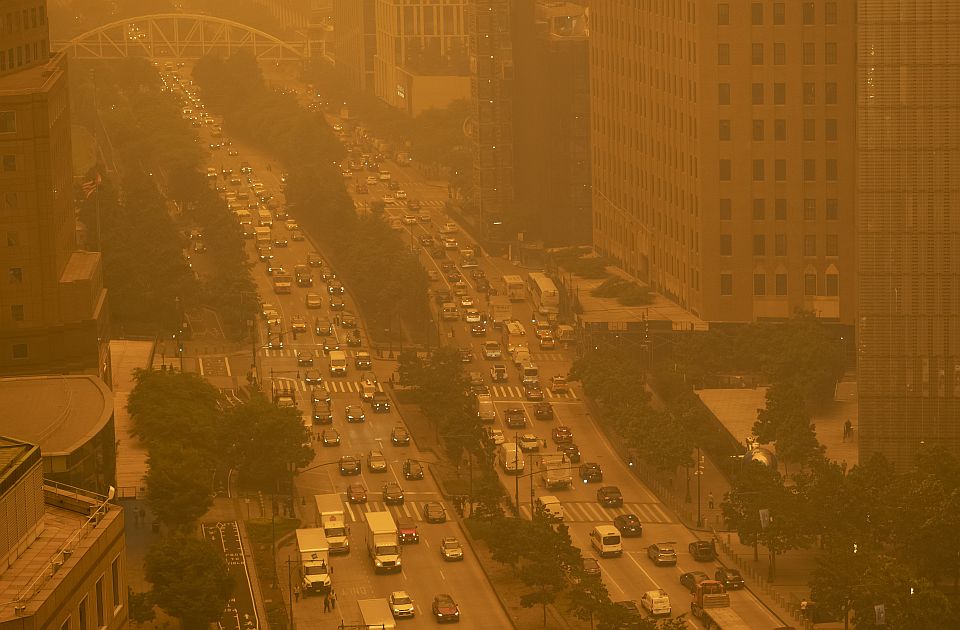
x: 190, y: 580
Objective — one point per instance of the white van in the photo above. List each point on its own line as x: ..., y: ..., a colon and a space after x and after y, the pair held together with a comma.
x: 510, y: 458
x: 244, y: 217
x: 265, y: 218
x: 529, y: 373
x: 338, y: 363
x: 550, y: 506
x: 448, y: 312
x: 605, y: 540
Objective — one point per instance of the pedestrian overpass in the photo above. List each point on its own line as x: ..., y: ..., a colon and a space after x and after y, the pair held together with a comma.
x: 179, y: 36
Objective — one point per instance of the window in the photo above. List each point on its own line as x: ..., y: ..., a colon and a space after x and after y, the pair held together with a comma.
x: 780, y: 170
x: 725, y: 173
x: 779, y: 93
x: 808, y: 13
x: 809, y: 244
x: 780, y: 244
x: 759, y: 245
x: 101, y: 620
x: 779, y: 54
x: 830, y: 129
x: 809, y: 209
x: 16, y: 275
x: 830, y: 12
x: 759, y: 284
x: 726, y: 245
x: 758, y: 172
x: 780, y: 130
x: 723, y: 93
x: 780, y: 281
x: 833, y: 209
x: 16, y: 312
x: 10, y: 200
x: 726, y: 284
x: 82, y: 614
x: 9, y: 163
x: 724, y: 129
x: 757, y: 93
x: 830, y: 168
x: 833, y: 284
x: 19, y: 351
x: 756, y: 14
x: 758, y: 130
x: 723, y: 54
x: 13, y: 239
x: 759, y: 209
x: 830, y: 93
x: 809, y: 284
x: 726, y: 209
x: 780, y: 209
x: 809, y: 54
x: 809, y: 170
x: 756, y: 54
x: 779, y: 14
x: 830, y: 53
x: 723, y: 14
x: 115, y: 575
x: 832, y: 245
x: 8, y: 122
x: 809, y: 94
x: 809, y: 129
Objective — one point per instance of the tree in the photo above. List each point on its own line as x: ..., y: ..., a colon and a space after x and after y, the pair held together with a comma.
x: 141, y: 606
x: 174, y: 408
x: 179, y: 484
x: 190, y: 580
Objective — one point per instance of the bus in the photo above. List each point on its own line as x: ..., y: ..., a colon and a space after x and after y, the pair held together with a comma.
x: 543, y: 292
x: 513, y: 287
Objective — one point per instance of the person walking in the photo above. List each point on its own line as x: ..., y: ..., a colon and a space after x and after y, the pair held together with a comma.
x: 296, y: 593
x: 326, y: 602
x: 333, y: 598
x: 710, y: 500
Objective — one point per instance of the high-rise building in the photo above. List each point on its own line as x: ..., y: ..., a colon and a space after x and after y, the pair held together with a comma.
x: 552, y: 130
x: 355, y: 41
x: 421, y: 59
x: 311, y: 18
x: 62, y: 552
x: 722, y: 138
x: 491, y: 125
x: 908, y: 227
x: 53, y: 306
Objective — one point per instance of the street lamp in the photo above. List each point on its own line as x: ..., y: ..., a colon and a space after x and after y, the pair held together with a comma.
x: 699, y: 474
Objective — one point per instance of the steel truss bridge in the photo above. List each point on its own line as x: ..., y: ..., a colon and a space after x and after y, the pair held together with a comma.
x: 179, y: 36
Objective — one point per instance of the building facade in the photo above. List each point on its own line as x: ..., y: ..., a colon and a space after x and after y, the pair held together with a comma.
x: 552, y: 134
x: 490, y: 129
x: 908, y: 227
x: 53, y: 315
x: 722, y: 140
x: 63, y: 558
x: 421, y: 59
x: 355, y: 41
x: 312, y: 18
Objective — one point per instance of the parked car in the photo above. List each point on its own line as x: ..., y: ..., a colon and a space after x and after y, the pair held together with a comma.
x: 702, y: 550
x: 729, y: 577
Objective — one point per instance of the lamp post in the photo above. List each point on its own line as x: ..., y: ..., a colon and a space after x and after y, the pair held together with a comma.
x: 687, y: 466
x: 699, y: 474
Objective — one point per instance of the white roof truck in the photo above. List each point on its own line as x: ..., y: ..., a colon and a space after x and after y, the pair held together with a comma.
x: 383, y: 544
x: 711, y: 605
x: 375, y: 613
x: 555, y: 471
x: 313, y: 553
x: 501, y: 310
x: 329, y: 518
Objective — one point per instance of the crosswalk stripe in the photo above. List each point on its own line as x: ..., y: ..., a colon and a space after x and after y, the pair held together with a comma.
x: 580, y: 511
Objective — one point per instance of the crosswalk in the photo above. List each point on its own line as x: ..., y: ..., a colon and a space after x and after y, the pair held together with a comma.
x: 357, y: 513
x: 515, y: 391
x: 426, y: 203
x: 333, y: 386
x: 291, y: 351
x: 585, y: 512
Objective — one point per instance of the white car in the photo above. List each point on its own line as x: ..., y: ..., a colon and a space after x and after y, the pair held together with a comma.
x: 529, y: 442
x: 492, y: 350
x: 401, y: 605
x: 656, y: 602
x: 372, y: 180
x: 408, y: 219
x: 496, y: 436
x: 401, y: 194
x: 472, y: 316
x: 388, y: 199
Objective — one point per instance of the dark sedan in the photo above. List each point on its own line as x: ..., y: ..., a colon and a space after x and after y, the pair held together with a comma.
x: 349, y: 465
x: 690, y: 579
x: 412, y: 470
x: 591, y: 472
x: 609, y: 496
x: 730, y: 578
x: 702, y: 550
x: 356, y: 493
x: 543, y: 411
x: 629, y: 525
x: 516, y: 418
x: 433, y: 512
x: 392, y: 493
x: 572, y: 451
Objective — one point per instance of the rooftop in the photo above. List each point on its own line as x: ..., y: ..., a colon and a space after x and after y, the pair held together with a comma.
x: 80, y: 266
x: 58, y: 413
x: 33, y: 79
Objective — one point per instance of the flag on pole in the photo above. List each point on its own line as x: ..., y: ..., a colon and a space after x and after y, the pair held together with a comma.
x: 90, y: 187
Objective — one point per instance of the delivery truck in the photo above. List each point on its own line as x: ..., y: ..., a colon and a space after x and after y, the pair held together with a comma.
x: 314, y: 560
x: 383, y: 543
x: 330, y: 518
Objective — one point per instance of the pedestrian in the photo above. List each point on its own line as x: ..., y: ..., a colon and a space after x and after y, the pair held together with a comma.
x: 333, y: 598
x: 296, y: 593
x: 803, y: 607
x: 143, y: 515
x: 710, y: 500
x: 326, y: 602
x: 847, y: 429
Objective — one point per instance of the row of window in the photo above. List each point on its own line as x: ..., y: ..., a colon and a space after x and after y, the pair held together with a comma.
x: 759, y: 209
x: 778, y: 14
x: 758, y: 93
x: 811, y: 284
x: 26, y: 18
x: 83, y: 610
x: 21, y: 55
x: 8, y: 122
x: 831, y: 170
x: 758, y: 129
x: 758, y: 54
x: 832, y: 245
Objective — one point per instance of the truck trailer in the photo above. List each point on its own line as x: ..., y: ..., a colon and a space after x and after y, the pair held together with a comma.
x: 555, y: 471
x: 711, y: 605
x: 329, y: 517
x: 375, y: 613
x: 313, y: 555
x: 383, y: 543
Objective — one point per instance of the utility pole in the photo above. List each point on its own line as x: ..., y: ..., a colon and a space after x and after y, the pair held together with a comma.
x: 516, y: 458
x: 289, y: 591
x: 699, y: 474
